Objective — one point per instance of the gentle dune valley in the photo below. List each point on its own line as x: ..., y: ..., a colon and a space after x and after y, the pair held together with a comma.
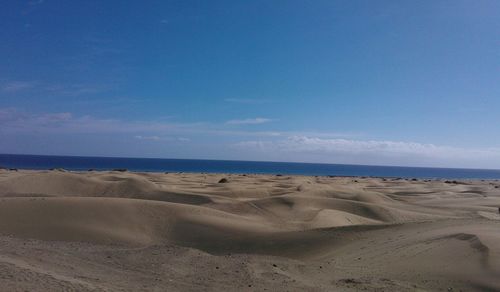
x: 125, y: 231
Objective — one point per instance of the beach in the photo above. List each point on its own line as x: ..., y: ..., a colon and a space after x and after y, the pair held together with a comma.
x: 153, y: 231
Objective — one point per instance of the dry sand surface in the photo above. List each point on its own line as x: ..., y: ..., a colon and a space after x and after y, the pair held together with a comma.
x: 123, y: 231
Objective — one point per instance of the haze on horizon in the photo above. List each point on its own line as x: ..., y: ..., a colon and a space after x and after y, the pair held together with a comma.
x: 359, y: 82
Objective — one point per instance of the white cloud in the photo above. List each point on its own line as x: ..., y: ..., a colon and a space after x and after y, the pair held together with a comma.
x: 54, y: 118
x: 153, y: 138
x: 16, y: 86
x: 16, y: 121
x: 254, y: 121
x: 12, y: 117
x: 302, y: 143
x: 74, y: 89
x: 13, y: 120
x: 303, y: 148
x: 164, y: 138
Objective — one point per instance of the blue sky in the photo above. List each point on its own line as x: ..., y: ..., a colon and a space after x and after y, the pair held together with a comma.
x: 364, y: 82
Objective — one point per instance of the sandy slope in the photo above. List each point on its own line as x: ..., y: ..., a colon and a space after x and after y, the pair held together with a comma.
x: 154, y: 231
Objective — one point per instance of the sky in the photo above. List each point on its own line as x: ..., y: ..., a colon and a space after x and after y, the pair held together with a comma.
x: 411, y: 83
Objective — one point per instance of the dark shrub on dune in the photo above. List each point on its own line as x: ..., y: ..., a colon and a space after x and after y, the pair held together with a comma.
x: 223, y: 180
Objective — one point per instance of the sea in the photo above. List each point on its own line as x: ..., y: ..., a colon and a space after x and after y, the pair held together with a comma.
x: 80, y: 163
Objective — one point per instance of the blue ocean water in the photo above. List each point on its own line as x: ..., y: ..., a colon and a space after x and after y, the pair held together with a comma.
x: 225, y: 166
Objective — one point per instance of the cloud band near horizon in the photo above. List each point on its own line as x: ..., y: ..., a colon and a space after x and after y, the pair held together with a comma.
x: 262, y: 145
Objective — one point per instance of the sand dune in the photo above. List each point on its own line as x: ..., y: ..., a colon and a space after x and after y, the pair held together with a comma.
x: 176, y: 232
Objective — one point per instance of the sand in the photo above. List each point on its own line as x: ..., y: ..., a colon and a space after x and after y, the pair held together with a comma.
x: 124, y: 231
